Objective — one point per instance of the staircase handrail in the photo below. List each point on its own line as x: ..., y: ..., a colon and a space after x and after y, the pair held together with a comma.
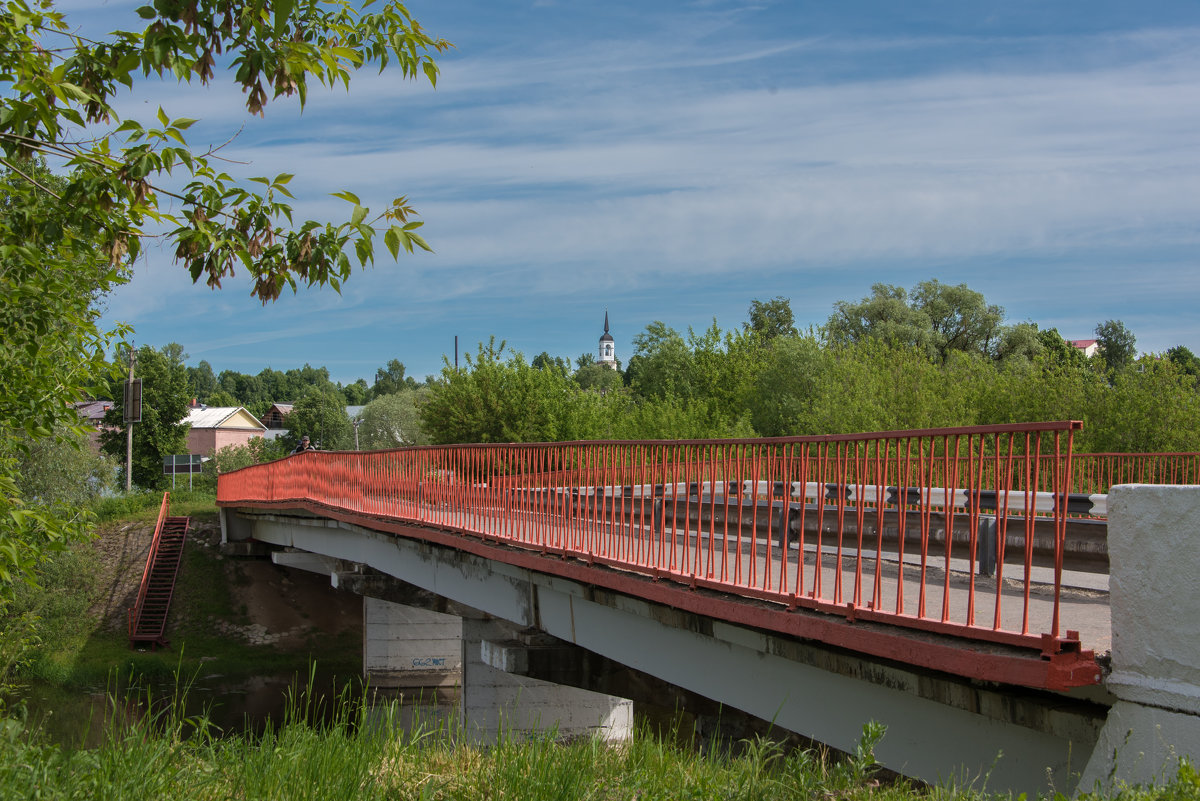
x: 136, y: 612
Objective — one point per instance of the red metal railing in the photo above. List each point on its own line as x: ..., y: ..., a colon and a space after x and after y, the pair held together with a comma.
x: 895, y: 539
x: 1091, y: 473
x: 1096, y: 473
x: 140, y: 602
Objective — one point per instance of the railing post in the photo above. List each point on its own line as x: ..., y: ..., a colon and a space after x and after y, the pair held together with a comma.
x: 986, y: 545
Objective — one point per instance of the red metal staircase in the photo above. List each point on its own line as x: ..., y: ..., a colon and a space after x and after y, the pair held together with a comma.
x: 148, y: 617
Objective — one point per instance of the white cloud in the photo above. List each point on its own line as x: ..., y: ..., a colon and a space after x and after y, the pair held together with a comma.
x: 644, y: 165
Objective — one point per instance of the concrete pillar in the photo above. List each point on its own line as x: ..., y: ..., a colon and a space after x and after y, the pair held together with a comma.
x: 407, y: 647
x: 495, y: 702
x: 1154, y: 552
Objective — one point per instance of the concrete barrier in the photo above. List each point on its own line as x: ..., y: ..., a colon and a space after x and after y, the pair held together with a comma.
x: 1154, y: 585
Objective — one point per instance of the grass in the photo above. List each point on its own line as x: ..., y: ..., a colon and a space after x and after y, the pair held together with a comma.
x: 143, y: 507
x: 359, y: 754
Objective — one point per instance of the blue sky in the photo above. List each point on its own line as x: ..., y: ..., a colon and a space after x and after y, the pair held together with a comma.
x: 675, y: 160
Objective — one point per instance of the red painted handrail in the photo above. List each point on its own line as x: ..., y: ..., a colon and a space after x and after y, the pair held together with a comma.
x: 945, y: 484
x: 135, y: 612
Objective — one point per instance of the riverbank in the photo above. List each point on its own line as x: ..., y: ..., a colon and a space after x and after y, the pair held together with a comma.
x: 232, y: 618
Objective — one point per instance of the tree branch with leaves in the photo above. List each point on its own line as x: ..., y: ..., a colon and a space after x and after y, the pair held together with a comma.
x: 84, y: 187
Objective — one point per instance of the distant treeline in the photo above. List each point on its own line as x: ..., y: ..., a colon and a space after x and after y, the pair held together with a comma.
x: 937, y: 355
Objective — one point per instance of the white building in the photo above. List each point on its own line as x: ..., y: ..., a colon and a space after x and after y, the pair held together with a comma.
x: 608, y: 353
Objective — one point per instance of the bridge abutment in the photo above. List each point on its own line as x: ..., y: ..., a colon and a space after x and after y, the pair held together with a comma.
x: 1154, y: 547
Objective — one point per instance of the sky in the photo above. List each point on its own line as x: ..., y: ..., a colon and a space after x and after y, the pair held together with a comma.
x: 674, y: 161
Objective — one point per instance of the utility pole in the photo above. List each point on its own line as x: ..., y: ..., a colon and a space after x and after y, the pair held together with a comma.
x: 129, y: 415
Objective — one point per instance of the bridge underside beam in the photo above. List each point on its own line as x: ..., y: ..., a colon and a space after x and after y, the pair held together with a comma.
x: 937, y: 723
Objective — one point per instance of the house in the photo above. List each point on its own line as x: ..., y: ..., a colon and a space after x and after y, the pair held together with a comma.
x: 214, y: 427
x: 92, y: 413
x: 1088, y: 346
x: 274, y: 417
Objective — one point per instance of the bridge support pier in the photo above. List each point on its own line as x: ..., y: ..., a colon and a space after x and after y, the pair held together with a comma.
x: 416, y: 640
x: 1154, y: 547
x: 496, y: 702
x: 409, y: 648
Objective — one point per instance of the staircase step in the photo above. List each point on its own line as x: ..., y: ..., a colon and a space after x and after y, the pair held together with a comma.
x: 149, y: 618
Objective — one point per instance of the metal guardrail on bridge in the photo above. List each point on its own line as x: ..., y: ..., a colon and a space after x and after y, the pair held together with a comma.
x: 946, y: 480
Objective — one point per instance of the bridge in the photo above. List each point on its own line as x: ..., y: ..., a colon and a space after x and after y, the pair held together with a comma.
x: 953, y: 584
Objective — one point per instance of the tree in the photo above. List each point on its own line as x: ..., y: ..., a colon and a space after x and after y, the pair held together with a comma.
x: 321, y: 415
x: 960, y: 318
x: 772, y: 318
x: 884, y: 315
x: 163, y: 429
x: 785, y: 389
x: 544, y: 361
x: 393, y: 421
x: 356, y: 394
x: 494, y: 399
x: 661, y: 365
x: 202, y: 382
x: 389, y: 379
x: 935, y: 318
x: 1060, y: 352
x: 598, y: 378
x: 65, y: 470
x: 53, y: 352
x: 1115, y: 343
x: 63, y: 82
x: 67, y: 239
x: 1020, y: 341
x: 1187, y: 362
x: 221, y: 398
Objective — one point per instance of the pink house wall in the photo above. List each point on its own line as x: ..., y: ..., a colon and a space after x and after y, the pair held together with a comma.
x: 206, y: 440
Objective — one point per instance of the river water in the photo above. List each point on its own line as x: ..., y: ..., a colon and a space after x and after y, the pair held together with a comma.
x: 84, y: 718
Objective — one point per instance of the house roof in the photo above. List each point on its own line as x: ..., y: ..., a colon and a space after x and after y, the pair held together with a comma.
x: 222, y: 417
x: 1083, y: 343
x: 93, y: 409
x: 283, y: 408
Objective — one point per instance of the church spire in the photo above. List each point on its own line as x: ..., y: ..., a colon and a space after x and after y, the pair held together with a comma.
x: 608, y: 354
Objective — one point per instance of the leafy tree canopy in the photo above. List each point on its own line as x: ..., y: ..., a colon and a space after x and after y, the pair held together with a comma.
x: 393, y: 421
x: 321, y: 416
x: 544, y: 361
x: 52, y: 352
x: 885, y: 315
x: 1116, y: 344
x: 599, y: 378
x: 936, y: 318
x: 1187, y: 362
x: 82, y: 186
x: 391, y: 379
x: 771, y: 318
x: 61, y: 106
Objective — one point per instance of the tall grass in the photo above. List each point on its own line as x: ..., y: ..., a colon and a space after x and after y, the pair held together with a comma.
x: 142, y: 506
x: 360, y: 753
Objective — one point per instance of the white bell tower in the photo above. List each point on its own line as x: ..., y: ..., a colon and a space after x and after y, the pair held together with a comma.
x: 608, y: 353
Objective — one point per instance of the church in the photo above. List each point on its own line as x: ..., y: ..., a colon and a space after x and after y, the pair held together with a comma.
x: 608, y: 353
